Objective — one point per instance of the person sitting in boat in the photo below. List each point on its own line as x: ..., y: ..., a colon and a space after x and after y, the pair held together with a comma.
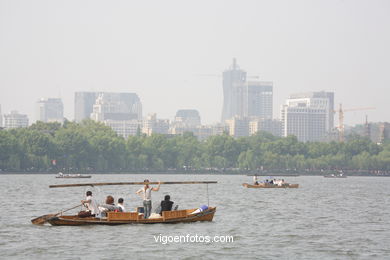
x: 166, y: 204
x: 120, y: 206
x: 146, y: 192
x: 109, y: 206
x: 91, y: 205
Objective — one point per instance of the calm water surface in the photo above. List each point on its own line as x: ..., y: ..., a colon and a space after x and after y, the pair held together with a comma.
x: 325, y: 218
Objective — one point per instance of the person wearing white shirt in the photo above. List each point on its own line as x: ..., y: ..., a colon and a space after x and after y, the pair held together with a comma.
x: 120, y: 204
x: 91, y: 205
x: 146, y: 194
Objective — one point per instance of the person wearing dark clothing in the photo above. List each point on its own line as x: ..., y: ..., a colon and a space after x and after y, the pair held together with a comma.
x: 166, y: 204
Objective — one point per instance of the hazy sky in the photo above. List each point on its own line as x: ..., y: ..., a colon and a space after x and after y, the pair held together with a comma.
x: 162, y: 50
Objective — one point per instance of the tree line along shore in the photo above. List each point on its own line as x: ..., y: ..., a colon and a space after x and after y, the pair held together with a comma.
x: 93, y: 147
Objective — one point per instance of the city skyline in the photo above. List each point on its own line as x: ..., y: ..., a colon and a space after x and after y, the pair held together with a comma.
x: 54, y: 50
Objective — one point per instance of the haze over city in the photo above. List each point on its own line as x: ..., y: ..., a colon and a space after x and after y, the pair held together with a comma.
x: 172, y: 53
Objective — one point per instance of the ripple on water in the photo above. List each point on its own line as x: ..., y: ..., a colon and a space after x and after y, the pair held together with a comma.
x: 324, y: 218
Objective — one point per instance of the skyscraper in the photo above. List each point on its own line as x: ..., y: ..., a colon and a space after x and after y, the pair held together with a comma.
x: 309, y: 116
x: 232, y: 81
x: 50, y: 110
x: 116, y: 106
x: 321, y: 99
x: 245, y: 98
x: 259, y: 99
x: 110, y: 105
x: 83, y: 105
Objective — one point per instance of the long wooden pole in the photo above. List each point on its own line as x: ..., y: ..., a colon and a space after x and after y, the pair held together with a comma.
x: 129, y: 183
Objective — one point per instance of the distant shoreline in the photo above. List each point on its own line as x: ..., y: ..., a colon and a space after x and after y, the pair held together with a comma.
x: 230, y: 173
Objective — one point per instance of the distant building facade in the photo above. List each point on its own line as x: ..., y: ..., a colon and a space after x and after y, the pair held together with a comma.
x: 152, y: 125
x: 244, y: 98
x: 125, y: 128
x: 238, y: 126
x: 232, y: 81
x: 320, y: 100
x: 50, y: 110
x: 102, y: 106
x: 83, y: 105
x: 259, y: 99
x: 187, y: 118
x: 15, y: 120
x: 307, y: 123
x: 272, y: 126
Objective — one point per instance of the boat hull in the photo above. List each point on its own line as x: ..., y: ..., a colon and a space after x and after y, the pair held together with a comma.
x: 206, y: 215
x: 335, y: 177
x: 270, y: 186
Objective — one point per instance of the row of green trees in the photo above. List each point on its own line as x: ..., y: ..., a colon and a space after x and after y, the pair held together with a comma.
x: 91, y: 146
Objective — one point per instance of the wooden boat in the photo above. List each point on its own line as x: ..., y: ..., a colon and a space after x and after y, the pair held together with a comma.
x: 121, y: 218
x: 67, y: 176
x: 335, y: 176
x: 268, y: 185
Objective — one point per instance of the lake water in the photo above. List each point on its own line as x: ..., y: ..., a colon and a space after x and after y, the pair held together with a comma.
x: 322, y: 219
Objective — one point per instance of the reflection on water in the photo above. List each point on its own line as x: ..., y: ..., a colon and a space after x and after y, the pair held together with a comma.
x: 324, y: 218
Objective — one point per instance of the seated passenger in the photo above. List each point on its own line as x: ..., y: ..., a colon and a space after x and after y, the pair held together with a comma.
x: 120, y: 206
x: 109, y: 206
x: 166, y: 204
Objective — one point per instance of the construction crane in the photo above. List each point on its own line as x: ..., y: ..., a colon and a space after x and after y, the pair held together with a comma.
x: 341, y: 112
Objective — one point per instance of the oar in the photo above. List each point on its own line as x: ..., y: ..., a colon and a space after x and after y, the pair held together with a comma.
x: 42, y: 219
x: 129, y: 183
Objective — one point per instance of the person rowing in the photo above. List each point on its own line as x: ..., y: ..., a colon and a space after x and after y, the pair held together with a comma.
x: 91, y: 205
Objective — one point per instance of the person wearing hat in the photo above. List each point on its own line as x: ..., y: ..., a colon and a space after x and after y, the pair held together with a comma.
x: 146, y: 194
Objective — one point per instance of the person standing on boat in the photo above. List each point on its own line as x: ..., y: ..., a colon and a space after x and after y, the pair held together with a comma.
x: 147, y: 197
x: 255, y: 182
x: 91, y: 204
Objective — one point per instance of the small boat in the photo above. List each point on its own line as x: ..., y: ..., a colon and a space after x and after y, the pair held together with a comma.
x: 268, y: 185
x: 67, y: 176
x: 121, y: 218
x: 335, y: 176
x: 204, y: 213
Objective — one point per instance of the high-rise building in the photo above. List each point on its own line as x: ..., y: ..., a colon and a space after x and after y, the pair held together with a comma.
x: 259, y: 99
x: 83, y: 105
x: 116, y: 106
x: 245, y: 98
x: 15, y: 120
x: 321, y: 100
x: 232, y: 81
x: 50, y: 110
x: 307, y: 123
x: 107, y: 105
